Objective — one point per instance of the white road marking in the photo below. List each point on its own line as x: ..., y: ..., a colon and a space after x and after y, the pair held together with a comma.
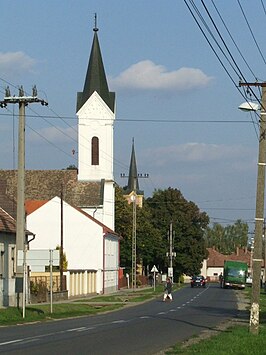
x: 11, y: 342
x: 74, y: 329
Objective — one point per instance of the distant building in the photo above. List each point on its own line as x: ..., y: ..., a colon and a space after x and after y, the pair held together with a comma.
x: 131, y: 190
x: 214, y: 264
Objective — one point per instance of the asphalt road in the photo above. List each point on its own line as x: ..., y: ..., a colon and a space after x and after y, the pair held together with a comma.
x: 140, y: 330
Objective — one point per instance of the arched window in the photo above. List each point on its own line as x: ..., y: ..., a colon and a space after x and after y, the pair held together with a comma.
x: 95, y: 151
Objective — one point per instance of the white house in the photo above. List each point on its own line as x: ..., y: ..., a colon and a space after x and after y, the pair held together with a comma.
x: 90, y: 246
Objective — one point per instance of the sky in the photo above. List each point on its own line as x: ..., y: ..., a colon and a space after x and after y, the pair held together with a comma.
x: 177, y: 92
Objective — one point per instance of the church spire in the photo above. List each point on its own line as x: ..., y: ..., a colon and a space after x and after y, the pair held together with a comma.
x: 133, y: 182
x: 95, y: 77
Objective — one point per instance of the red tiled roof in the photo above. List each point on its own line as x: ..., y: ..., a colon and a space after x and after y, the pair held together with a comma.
x: 33, y: 205
x: 216, y: 259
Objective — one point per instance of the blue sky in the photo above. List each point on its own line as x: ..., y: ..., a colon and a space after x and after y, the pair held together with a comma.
x: 170, y: 89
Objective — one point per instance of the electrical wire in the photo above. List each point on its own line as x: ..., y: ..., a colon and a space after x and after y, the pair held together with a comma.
x: 250, y: 29
x: 234, y: 42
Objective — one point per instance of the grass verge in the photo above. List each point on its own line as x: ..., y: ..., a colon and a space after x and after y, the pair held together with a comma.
x: 81, y: 307
x: 233, y: 340
x: 12, y: 315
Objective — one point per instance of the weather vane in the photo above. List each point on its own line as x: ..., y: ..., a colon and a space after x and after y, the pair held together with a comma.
x: 95, y: 23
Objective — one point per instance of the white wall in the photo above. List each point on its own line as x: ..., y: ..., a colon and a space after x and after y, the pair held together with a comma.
x: 95, y: 119
x: 82, y: 237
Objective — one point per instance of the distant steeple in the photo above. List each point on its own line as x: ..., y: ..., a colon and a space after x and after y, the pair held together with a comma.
x: 133, y: 174
x: 96, y: 78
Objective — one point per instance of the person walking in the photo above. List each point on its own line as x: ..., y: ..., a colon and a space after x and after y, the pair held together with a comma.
x: 168, y: 290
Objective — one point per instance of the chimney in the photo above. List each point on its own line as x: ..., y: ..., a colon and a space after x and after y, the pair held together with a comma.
x: 237, y: 251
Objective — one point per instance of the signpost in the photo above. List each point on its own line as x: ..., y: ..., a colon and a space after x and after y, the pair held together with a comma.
x: 154, y: 270
x: 37, y: 260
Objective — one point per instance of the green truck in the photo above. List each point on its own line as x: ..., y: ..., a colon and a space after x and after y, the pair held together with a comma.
x: 235, y: 274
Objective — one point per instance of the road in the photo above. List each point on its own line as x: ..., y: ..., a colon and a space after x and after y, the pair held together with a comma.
x: 140, y: 330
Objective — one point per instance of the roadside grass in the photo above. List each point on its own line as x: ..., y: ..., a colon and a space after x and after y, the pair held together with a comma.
x: 236, y: 340
x: 233, y: 340
x: 13, y: 315
x: 77, y: 308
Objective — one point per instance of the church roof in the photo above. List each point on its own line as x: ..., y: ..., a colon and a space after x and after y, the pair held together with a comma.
x: 46, y: 184
x: 133, y: 182
x: 96, y: 78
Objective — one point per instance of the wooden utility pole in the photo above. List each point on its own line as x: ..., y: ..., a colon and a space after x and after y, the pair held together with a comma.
x: 259, y: 217
x: 62, y: 241
x: 23, y: 101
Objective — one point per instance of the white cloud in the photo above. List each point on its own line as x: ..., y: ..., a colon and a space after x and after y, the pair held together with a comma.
x: 15, y: 63
x: 198, y: 153
x: 146, y: 75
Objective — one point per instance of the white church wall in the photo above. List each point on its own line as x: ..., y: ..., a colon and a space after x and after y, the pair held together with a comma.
x: 95, y: 119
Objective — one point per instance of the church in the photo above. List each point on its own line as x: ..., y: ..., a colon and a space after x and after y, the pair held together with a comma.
x: 90, y: 187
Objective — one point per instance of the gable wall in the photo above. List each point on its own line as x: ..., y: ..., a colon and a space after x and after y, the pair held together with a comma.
x: 82, y: 237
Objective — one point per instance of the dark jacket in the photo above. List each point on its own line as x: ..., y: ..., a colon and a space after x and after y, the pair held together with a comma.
x: 168, y: 287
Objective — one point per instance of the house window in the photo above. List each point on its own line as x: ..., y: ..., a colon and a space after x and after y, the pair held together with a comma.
x: 95, y: 151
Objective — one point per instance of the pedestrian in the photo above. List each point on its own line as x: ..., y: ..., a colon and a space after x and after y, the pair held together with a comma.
x: 168, y: 290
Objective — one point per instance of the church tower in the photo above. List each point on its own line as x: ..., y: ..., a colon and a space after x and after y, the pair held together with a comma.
x: 96, y: 115
x: 132, y: 188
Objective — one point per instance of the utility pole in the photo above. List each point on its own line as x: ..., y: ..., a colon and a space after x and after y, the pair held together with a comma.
x: 259, y: 217
x: 62, y: 239
x: 134, y: 226
x: 171, y: 254
x: 23, y: 101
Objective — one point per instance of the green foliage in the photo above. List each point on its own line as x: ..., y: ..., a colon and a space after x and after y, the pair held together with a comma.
x: 38, y: 288
x: 227, y: 239
x: 149, y: 241
x: 153, y: 221
x: 65, y: 262
x: 188, y: 228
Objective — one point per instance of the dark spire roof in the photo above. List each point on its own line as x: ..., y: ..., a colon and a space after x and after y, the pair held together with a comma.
x: 96, y: 78
x: 133, y: 174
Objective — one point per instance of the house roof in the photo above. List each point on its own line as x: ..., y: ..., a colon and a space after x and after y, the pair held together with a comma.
x: 216, y: 259
x: 7, y: 222
x: 7, y: 202
x: 46, y: 184
x: 96, y: 78
x: 33, y: 205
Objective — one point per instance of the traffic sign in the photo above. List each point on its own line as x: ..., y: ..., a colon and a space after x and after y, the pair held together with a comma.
x: 154, y: 269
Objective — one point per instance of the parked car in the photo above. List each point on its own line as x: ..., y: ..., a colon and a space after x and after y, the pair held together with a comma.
x: 198, y: 281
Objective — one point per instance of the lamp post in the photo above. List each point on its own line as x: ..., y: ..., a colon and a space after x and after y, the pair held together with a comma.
x: 259, y: 217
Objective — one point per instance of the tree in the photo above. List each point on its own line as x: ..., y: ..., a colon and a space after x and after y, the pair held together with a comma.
x: 149, y: 242
x: 227, y: 239
x: 65, y: 262
x: 188, y: 225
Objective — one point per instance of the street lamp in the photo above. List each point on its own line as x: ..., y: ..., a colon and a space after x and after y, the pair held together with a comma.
x: 259, y: 217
